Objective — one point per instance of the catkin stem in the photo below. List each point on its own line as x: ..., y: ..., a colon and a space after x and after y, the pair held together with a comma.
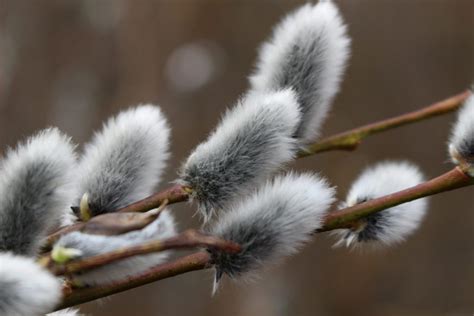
x: 186, y: 240
x: 351, y: 139
x: 193, y: 262
x: 174, y: 194
x: 451, y: 180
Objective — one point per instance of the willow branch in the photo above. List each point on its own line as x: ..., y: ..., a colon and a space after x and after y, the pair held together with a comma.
x: 348, y: 140
x: 188, y: 239
x: 351, y: 139
x: 174, y: 194
x: 193, y: 262
x: 344, y: 141
x: 344, y: 218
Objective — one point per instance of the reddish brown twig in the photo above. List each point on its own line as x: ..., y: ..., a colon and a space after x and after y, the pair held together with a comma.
x: 174, y: 194
x: 451, y: 180
x: 349, y: 140
x: 188, y: 239
x: 197, y: 261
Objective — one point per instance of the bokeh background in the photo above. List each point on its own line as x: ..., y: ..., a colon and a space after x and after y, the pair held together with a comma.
x: 73, y: 63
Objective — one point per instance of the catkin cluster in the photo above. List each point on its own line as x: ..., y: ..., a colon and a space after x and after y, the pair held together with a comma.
x: 235, y: 177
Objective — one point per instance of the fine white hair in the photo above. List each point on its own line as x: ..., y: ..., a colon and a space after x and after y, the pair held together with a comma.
x: 390, y: 226
x: 272, y: 223
x: 253, y: 140
x: 308, y: 52
x: 36, y: 190
x: 66, y: 312
x: 124, y: 161
x: 93, y: 245
x: 461, y: 143
x: 26, y: 289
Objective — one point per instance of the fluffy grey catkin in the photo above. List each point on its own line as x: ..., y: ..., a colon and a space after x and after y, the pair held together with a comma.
x: 308, y: 52
x: 26, y: 289
x: 272, y: 223
x: 36, y: 187
x: 253, y: 140
x: 390, y: 226
x: 123, y: 163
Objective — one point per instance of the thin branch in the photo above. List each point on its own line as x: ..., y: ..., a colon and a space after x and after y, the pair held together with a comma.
x: 188, y: 239
x: 451, y: 180
x: 343, y: 218
x: 193, y: 262
x: 349, y: 140
x: 343, y: 141
x: 174, y: 194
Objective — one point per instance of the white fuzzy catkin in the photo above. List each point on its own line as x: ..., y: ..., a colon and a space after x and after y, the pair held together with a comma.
x: 272, y: 223
x: 253, y: 140
x: 124, y: 161
x: 461, y: 143
x: 26, y: 289
x: 92, y: 245
x: 36, y: 190
x: 390, y: 226
x: 308, y: 51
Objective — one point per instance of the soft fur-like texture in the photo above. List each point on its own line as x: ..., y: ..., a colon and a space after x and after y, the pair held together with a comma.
x: 392, y: 225
x: 36, y: 190
x: 461, y: 143
x: 272, y: 223
x: 253, y: 140
x: 308, y: 51
x: 93, y: 245
x: 26, y: 289
x: 123, y: 163
x: 66, y: 312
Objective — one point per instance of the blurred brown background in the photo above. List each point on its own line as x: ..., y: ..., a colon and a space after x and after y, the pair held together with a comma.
x: 73, y: 63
